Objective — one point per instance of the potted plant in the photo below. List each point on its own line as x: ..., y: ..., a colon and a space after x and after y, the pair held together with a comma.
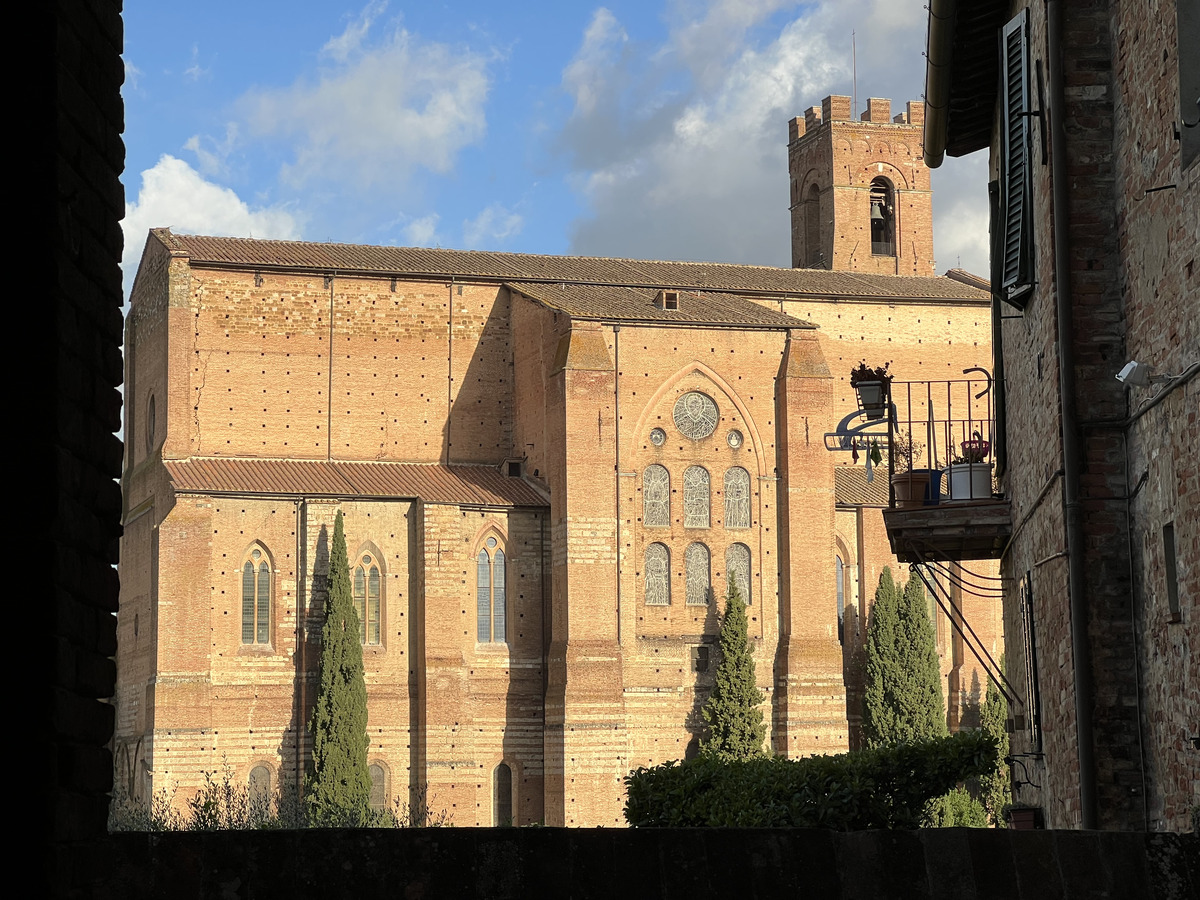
x: 871, y: 383
x: 909, y: 484
x: 969, y: 477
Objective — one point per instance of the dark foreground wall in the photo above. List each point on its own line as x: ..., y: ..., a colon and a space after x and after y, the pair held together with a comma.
x: 735, y: 864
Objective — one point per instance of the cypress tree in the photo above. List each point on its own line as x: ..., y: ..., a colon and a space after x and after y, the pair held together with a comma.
x: 735, y: 722
x: 339, y: 785
x: 902, y: 691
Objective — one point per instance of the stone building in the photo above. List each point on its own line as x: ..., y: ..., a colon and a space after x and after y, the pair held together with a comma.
x: 549, y: 468
x: 1089, y: 112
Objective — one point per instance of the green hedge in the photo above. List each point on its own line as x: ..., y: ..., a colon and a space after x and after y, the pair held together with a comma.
x: 884, y: 788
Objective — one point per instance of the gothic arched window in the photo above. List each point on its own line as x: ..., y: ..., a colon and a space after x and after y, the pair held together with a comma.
x: 502, y: 801
x: 697, y: 561
x: 695, y: 497
x: 260, y: 786
x: 656, y: 497
x: 737, y: 569
x: 256, y: 598
x: 840, y: 577
x: 490, y: 595
x: 658, y: 575
x: 812, y: 229
x: 366, y: 598
x: 883, y: 218
x: 378, y: 797
x: 737, y: 498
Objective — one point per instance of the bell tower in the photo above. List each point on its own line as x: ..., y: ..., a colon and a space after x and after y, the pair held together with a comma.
x: 860, y: 194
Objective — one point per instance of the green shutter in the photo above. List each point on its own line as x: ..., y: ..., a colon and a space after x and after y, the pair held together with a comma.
x: 1016, y: 195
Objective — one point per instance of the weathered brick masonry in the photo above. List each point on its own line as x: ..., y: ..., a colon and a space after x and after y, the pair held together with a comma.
x: 1130, y: 207
x: 589, y: 448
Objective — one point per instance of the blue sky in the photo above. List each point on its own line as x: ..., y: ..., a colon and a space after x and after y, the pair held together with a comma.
x: 653, y: 130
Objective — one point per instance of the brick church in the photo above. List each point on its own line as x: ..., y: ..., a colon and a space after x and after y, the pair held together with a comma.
x: 549, y: 468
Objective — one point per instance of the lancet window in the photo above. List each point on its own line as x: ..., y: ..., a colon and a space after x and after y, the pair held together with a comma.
x: 491, y: 602
x: 696, y: 497
x: 697, y: 562
x: 366, y: 598
x: 658, y: 575
x: 737, y: 498
x: 256, y: 598
x: 737, y: 569
x: 656, y: 497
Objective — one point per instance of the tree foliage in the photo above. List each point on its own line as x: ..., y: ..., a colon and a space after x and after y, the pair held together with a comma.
x: 735, y: 721
x: 995, y: 790
x: 902, y: 691
x: 890, y: 787
x: 339, y: 785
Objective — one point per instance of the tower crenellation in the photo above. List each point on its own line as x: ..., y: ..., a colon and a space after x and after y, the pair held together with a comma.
x: 860, y: 193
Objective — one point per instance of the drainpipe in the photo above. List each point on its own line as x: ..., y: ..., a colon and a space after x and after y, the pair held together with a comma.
x: 1073, y: 513
x: 939, y: 45
x: 617, y: 459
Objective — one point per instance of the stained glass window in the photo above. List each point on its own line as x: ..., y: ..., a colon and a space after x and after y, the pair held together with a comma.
x: 366, y: 598
x: 695, y: 415
x: 695, y: 497
x: 737, y: 569
x: 699, y: 574
x: 256, y: 599
x: 658, y: 575
x: 656, y: 497
x: 737, y: 498
x: 490, y: 596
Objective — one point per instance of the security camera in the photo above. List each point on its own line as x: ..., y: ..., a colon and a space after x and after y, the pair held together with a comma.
x: 1134, y: 373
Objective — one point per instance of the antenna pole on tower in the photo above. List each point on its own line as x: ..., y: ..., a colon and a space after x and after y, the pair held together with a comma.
x: 854, y: 77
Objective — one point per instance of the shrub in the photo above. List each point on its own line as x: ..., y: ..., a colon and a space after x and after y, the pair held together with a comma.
x: 887, y: 787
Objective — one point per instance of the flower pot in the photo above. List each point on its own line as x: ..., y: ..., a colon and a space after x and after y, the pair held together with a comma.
x: 911, y: 488
x: 968, y: 481
x: 871, y: 398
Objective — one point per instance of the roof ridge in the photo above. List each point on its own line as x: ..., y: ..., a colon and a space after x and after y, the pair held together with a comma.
x: 860, y: 277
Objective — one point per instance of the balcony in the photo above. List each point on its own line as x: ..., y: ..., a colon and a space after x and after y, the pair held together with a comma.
x: 938, y: 438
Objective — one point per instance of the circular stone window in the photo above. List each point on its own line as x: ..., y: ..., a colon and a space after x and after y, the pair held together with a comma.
x: 695, y: 415
x: 734, y: 439
x: 658, y: 437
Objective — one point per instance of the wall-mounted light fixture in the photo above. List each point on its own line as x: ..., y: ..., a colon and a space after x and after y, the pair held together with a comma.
x: 1139, y: 374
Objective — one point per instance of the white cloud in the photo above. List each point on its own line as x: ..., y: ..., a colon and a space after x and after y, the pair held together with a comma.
x: 491, y: 227
x: 680, y: 149
x: 422, y: 232
x: 195, y: 71
x: 132, y: 73
x: 378, y: 110
x: 211, y: 154
x: 175, y: 195
x: 342, y: 46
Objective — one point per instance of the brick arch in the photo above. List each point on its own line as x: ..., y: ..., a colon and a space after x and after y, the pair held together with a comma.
x: 669, y: 384
x: 490, y: 528
x: 866, y: 173
x: 371, y: 547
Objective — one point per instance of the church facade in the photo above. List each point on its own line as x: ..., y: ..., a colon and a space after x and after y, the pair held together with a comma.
x: 549, y: 467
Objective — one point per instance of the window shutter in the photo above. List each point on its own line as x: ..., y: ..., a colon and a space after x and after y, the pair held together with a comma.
x: 1015, y: 238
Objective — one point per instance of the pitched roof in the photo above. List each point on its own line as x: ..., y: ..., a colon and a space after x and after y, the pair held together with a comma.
x: 466, y: 485
x: 851, y: 488
x: 589, y: 301
x: 529, y: 267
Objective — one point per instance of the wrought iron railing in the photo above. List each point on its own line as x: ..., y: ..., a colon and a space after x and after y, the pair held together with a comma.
x: 951, y: 426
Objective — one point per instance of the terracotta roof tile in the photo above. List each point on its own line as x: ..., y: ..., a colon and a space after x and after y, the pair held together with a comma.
x: 851, y: 487
x: 525, y: 267
x: 468, y: 485
x: 638, y: 304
